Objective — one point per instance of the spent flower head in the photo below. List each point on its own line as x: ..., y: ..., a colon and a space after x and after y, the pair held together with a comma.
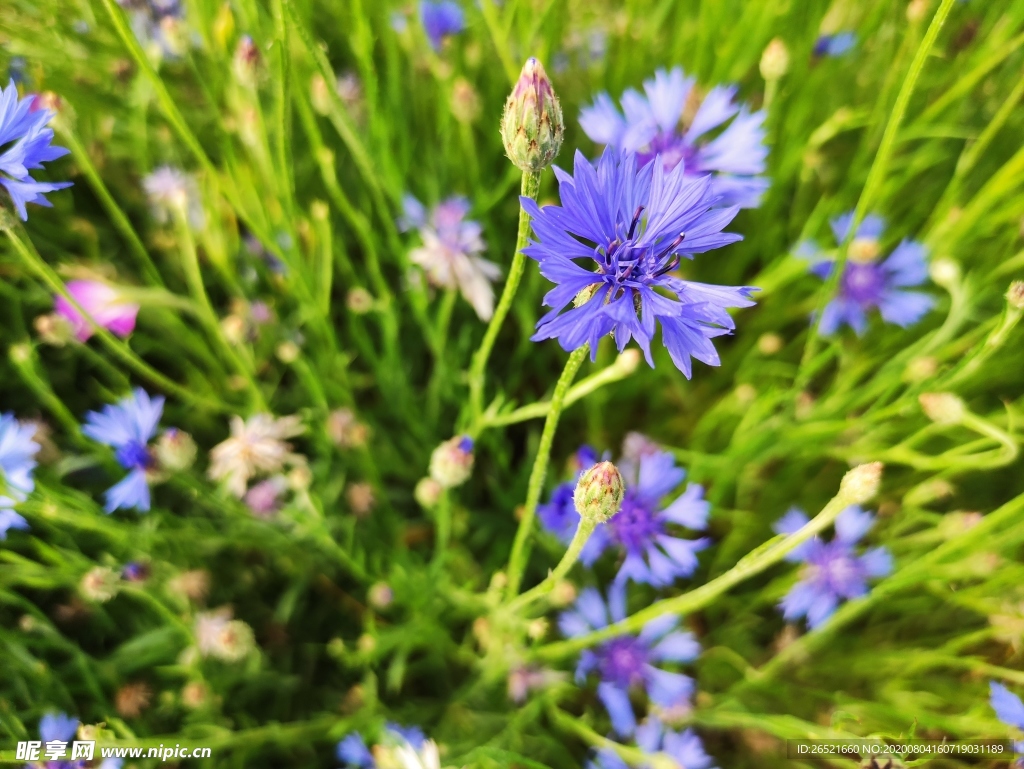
x: 25, y: 144
x: 532, y: 125
x: 256, y: 445
x: 451, y: 248
x: 671, y: 121
x: 631, y: 228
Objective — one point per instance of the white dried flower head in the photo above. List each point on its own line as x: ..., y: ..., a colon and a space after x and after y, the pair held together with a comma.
x: 945, y: 272
x: 192, y: 585
x: 99, y: 584
x: 257, y: 445
x: 172, y: 192
x: 427, y: 493
x: 360, y: 498
x: 217, y: 635
x: 1015, y: 295
x: 345, y: 429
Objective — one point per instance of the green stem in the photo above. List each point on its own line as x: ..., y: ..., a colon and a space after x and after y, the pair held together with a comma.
x: 530, y: 188
x: 632, y: 756
x: 873, y: 183
x: 443, y: 522
x: 117, y: 216
x: 120, y: 350
x: 755, y: 562
x: 583, y: 531
x: 194, y: 277
x: 521, y: 546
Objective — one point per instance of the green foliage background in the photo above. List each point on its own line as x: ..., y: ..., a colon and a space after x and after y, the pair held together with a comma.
x: 319, y: 180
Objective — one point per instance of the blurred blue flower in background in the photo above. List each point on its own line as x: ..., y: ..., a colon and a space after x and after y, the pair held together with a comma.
x: 1010, y: 710
x: 834, y: 45
x: 441, y: 19
x: 868, y: 281
x: 653, y: 737
x: 629, y: 661
x: 666, y: 121
x: 633, y: 226
x: 128, y: 427
x: 833, y: 571
x: 17, y: 461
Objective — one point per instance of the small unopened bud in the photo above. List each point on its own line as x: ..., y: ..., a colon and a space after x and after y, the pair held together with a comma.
x: 246, y: 61
x: 775, y: 60
x: 360, y: 498
x: 917, y: 10
x: 945, y: 272
x: 451, y: 464
x: 537, y: 629
x: 359, y: 301
x: 629, y: 360
x: 427, y: 493
x: 532, y: 127
x: 380, y: 595
x: 861, y: 483
x: 175, y: 450
x: 599, y: 492
x: 288, y: 352
x: 942, y: 408
x: 54, y: 329
x: 931, y: 490
x: 563, y: 594
x: 1015, y: 295
x: 319, y: 95
x: 465, y: 102
x: 920, y: 369
x: 20, y: 353
x: 194, y: 695
x: 769, y: 344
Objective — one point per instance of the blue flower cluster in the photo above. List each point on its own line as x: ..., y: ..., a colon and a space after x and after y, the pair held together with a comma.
x: 17, y: 464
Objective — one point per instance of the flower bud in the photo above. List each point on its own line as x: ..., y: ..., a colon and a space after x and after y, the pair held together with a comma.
x: 1015, y: 295
x: 380, y: 595
x: 769, y: 344
x: 465, y: 102
x: 531, y: 127
x: 175, y: 450
x: 359, y: 301
x: 319, y: 96
x: 451, y: 464
x: 194, y: 695
x: 246, y: 61
x: 774, y: 60
x: 99, y: 584
x: 54, y: 329
x: 942, y: 408
x: 599, y: 492
x: 861, y: 483
x: 360, y: 498
x: 945, y: 272
x: 427, y: 493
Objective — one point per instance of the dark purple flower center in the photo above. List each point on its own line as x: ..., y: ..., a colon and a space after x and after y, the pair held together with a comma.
x: 673, y: 150
x: 622, y: 661
x: 625, y: 263
x: 863, y: 283
x: 134, y: 456
x: 636, y: 524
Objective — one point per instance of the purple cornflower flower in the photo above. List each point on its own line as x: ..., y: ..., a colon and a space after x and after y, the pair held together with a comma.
x: 128, y: 427
x: 104, y: 303
x: 353, y: 751
x: 634, y: 226
x: 441, y: 19
x: 25, y: 144
x: 450, y: 254
x: 834, y: 45
x: 833, y: 572
x: 667, y: 122
x: 135, y: 571
x: 654, y: 555
x: 17, y: 461
x: 869, y: 281
x: 629, y: 661
x: 652, y: 737
x: 1010, y: 710
x: 61, y: 728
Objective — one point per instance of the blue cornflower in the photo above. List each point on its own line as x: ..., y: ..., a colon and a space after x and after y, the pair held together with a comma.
x: 654, y: 555
x: 441, y: 19
x: 629, y: 661
x: 833, y: 571
x: 667, y: 122
x: 17, y: 452
x: 633, y: 225
x: 869, y: 281
x: 834, y: 45
x: 24, y: 146
x: 652, y: 737
x: 128, y: 428
x: 61, y: 727
x: 353, y: 751
x: 1010, y: 711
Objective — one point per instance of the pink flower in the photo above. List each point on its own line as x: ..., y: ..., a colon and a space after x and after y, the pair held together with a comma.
x: 103, y: 303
